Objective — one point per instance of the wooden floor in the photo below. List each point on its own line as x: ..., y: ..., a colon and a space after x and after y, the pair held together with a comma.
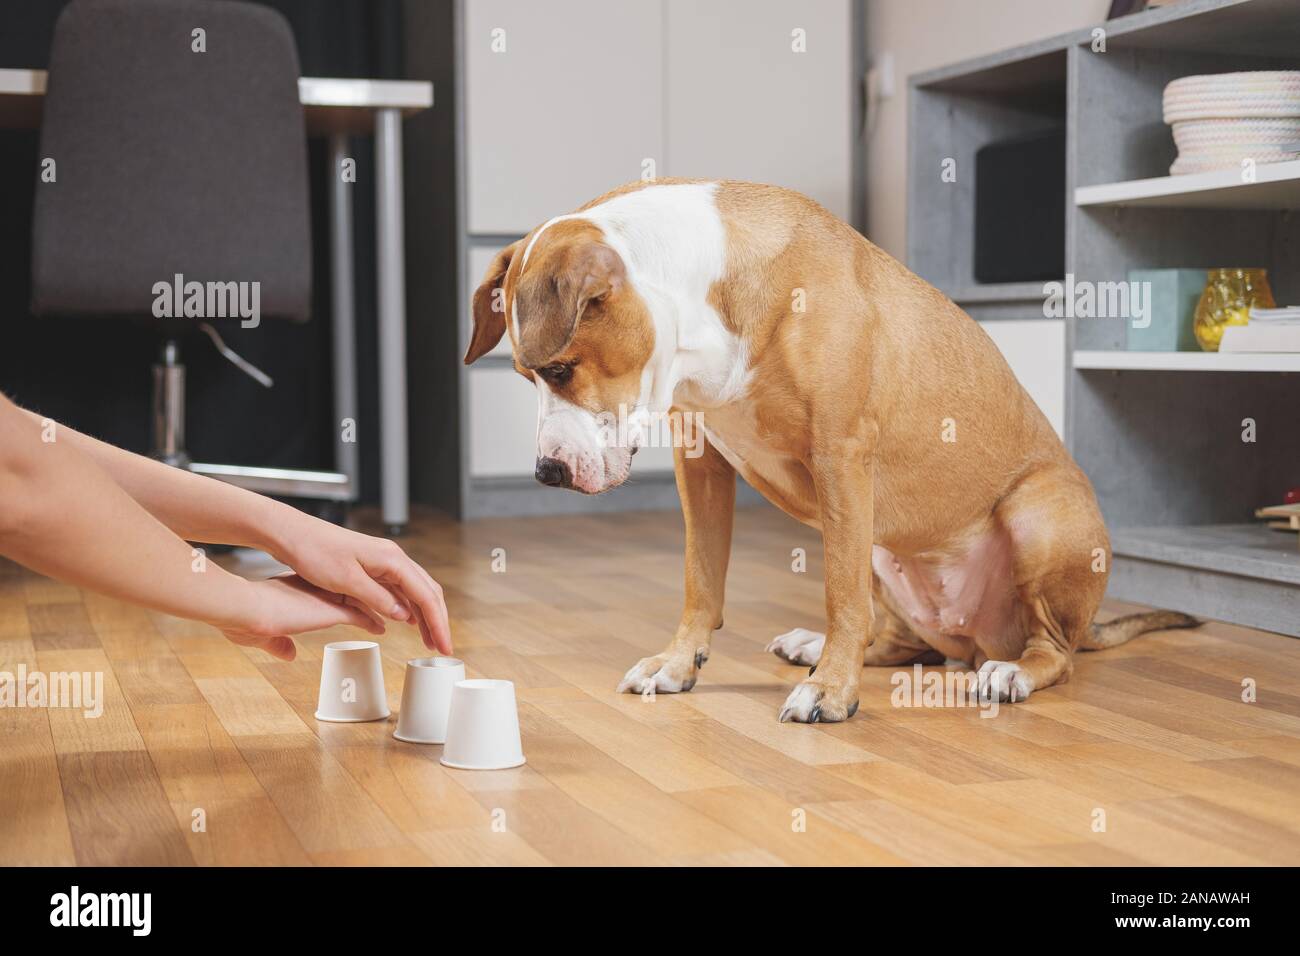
x: 1153, y: 738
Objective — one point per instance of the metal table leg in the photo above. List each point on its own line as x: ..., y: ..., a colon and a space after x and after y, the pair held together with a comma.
x: 391, y: 269
x: 346, y: 452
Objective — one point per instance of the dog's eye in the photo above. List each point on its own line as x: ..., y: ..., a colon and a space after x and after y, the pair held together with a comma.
x: 556, y: 374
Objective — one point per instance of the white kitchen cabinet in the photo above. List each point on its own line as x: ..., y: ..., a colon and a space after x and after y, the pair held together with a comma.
x: 1031, y: 347
x: 502, y: 423
x: 743, y: 103
x: 570, y: 107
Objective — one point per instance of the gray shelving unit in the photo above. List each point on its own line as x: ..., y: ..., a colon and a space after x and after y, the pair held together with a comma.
x: 1160, y: 439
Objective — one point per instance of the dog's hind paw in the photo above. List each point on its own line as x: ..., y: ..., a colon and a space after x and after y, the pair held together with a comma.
x: 1005, y: 681
x: 662, y: 674
x: 799, y: 646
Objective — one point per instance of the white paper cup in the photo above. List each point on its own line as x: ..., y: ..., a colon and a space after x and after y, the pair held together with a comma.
x: 483, y: 727
x: 352, y: 683
x: 426, y: 699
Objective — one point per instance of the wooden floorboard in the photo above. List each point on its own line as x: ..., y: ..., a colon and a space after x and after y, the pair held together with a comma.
x: 207, y: 753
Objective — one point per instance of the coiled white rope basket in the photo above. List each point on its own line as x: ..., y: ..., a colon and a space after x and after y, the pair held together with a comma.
x: 1221, y: 119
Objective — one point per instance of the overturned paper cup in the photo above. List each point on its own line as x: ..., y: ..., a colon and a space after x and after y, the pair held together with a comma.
x: 426, y: 699
x: 352, y: 683
x: 483, y: 727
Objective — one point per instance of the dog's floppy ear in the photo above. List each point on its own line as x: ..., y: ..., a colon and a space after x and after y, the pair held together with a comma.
x: 590, y: 271
x: 489, y: 306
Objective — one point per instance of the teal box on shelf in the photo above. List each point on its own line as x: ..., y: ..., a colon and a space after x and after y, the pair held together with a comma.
x: 1170, y: 296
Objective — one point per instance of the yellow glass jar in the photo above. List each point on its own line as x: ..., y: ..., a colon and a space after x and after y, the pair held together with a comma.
x: 1228, y: 296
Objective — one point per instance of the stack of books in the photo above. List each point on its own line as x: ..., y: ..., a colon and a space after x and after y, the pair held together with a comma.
x: 1281, y: 517
x: 1269, y: 330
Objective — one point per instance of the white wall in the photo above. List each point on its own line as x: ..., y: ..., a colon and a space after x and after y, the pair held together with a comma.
x: 921, y: 35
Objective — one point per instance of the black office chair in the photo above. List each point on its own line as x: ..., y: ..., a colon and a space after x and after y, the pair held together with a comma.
x: 180, y: 150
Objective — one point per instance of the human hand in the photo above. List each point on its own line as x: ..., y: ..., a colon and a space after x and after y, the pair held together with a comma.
x: 375, y: 573
x: 287, y: 605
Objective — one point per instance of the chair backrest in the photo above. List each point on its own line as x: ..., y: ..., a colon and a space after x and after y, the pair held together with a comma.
x: 178, y: 147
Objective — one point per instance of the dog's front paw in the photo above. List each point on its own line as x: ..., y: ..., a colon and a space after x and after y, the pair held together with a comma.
x: 814, y: 701
x: 1005, y: 681
x: 799, y: 646
x: 662, y: 674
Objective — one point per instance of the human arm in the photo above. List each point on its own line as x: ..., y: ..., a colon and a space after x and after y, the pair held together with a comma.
x: 62, y: 515
x: 373, y: 572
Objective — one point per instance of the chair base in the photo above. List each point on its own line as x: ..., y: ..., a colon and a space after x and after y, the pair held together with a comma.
x: 168, y: 412
x: 282, y: 482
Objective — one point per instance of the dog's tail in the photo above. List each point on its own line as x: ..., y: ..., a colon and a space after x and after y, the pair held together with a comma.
x: 1123, y: 629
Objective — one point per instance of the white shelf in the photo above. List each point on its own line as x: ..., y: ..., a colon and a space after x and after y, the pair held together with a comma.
x: 1247, y: 550
x: 1276, y: 186
x: 1189, y: 361
x: 979, y: 293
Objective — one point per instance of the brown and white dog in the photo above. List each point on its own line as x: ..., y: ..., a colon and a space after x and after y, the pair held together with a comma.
x: 849, y: 392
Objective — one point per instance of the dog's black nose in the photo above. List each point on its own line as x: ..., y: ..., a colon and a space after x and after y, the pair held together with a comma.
x: 553, y: 472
